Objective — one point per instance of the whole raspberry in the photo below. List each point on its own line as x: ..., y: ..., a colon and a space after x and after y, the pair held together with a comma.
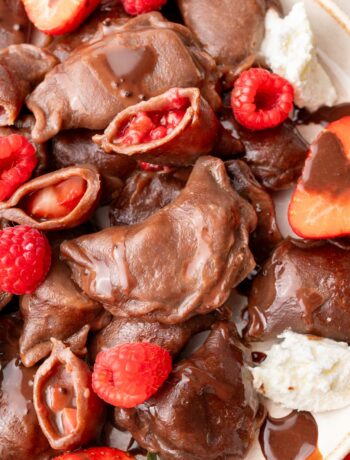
x: 261, y: 99
x: 25, y: 258
x: 17, y: 162
x: 129, y: 374
x: 135, y: 7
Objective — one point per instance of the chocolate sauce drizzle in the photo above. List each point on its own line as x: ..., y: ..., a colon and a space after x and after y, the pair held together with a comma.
x: 293, y: 437
x: 318, y: 175
x: 323, y: 115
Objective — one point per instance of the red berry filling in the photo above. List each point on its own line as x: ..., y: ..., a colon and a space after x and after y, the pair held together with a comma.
x: 135, y: 7
x: 152, y: 167
x: 57, y: 200
x: 129, y: 374
x: 146, y: 127
x: 17, y: 161
x: 261, y: 99
x: 25, y: 258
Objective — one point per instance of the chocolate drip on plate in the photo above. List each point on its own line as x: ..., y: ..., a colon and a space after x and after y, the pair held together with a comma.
x: 293, y: 437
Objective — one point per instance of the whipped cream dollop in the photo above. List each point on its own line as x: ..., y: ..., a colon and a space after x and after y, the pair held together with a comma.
x: 305, y: 373
x: 290, y: 51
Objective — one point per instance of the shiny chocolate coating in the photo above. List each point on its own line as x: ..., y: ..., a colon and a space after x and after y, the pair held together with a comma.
x: 144, y: 193
x: 302, y: 287
x: 135, y: 60
x: 20, y: 434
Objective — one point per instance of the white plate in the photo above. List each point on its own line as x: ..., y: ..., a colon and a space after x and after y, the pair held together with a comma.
x: 331, y: 27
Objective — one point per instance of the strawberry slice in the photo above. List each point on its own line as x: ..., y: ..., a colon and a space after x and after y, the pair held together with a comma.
x: 96, y: 453
x: 320, y: 205
x: 57, y: 200
x: 56, y: 17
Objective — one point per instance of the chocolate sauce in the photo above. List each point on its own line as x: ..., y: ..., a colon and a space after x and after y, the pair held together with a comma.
x: 258, y: 357
x: 293, y: 437
x: 323, y: 115
x: 60, y: 394
x: 122, y: 68
x: 20, y: 434
x: 318, y: 176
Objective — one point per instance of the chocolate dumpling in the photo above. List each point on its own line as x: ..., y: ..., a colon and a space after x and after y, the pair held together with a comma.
x: 231, y: 31
x: 206, y: 410
x: 59, y: 200
x: 174, y: 128
x: 133, y: 62
x: 20, y: 433
x: 181, y: 261
x: 70, y: 414
x: 22, y: 67
x: 303, y: 287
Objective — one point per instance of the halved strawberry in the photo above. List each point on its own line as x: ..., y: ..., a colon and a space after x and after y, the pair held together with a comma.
x: 320, y: 206
x: 57, y: 17
x: 58, y: 200
x: 96, y: 453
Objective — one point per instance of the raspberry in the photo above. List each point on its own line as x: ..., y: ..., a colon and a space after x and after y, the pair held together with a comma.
x: 25, y: 257
x: 135, y: 7
x: 17, y: 162
x: 261, y: 99
x: 129, y: 374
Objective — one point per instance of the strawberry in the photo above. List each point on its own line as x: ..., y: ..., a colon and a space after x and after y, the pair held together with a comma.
x: 319, y: 207
x: 129, y: 374
x: 261, y: 99
x: 57, y: 200
x: 59, y: 16
x: 96, y: 453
